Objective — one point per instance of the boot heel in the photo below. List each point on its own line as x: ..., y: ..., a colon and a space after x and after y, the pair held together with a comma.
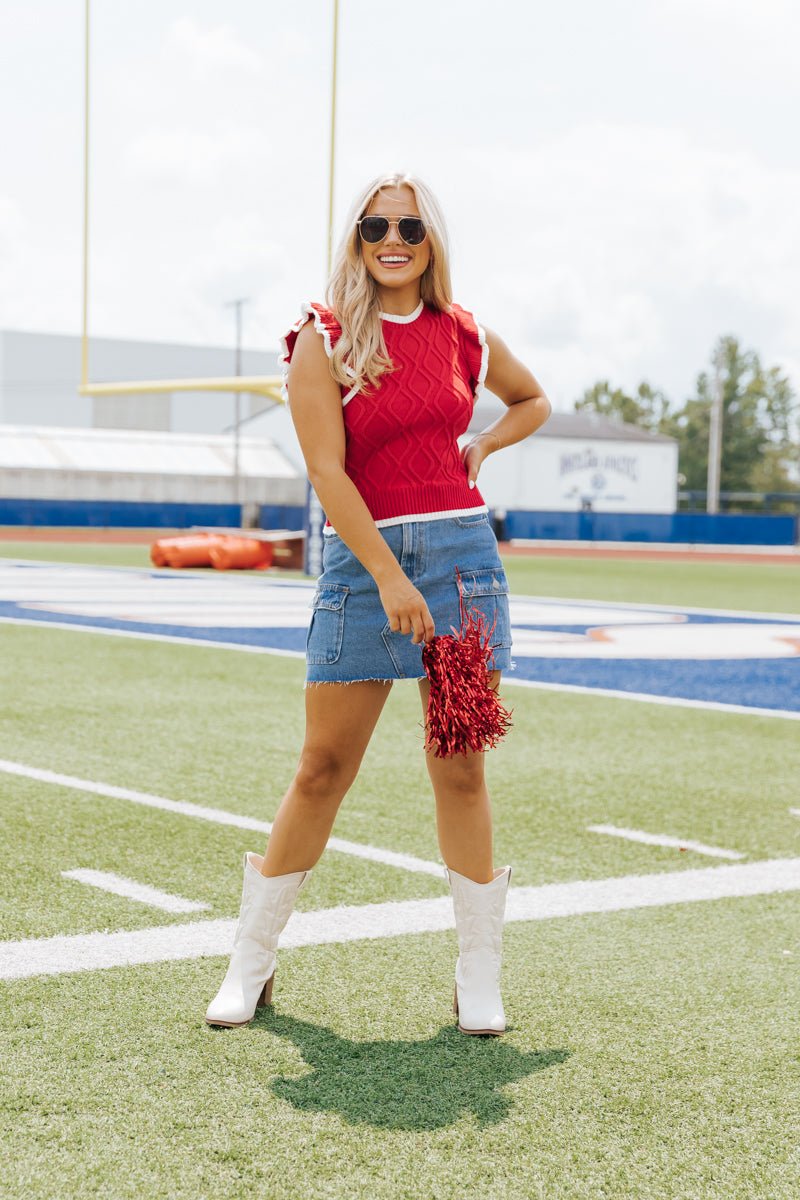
x: 479, y: 909
x: 266, y: 993
x: 267, y: 903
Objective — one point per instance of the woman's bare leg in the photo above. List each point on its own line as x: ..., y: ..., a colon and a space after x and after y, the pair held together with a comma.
x: 340, y: 720
x: 463, y: 808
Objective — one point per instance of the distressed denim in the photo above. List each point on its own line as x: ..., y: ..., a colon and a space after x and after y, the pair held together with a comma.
x: 349, y: 637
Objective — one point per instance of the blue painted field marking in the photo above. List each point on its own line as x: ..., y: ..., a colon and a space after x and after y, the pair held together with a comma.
x: 743, y: 659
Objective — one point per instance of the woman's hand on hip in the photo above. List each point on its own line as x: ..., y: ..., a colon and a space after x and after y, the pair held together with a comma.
x: 406, y: 609
x: 475, y: 451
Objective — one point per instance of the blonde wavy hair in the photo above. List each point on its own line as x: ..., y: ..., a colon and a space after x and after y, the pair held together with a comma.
x: 352, y: 293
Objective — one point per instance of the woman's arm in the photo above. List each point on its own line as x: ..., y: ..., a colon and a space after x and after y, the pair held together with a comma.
x: 518, y: 388
x: 316, y: 409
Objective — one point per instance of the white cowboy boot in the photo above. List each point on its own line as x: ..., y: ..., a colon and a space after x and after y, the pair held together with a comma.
x: 267, y: 903
x: 479, y: 910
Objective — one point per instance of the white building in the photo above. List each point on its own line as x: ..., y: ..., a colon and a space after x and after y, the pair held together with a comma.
x: 575, y: 461
x: 47, y: 462
x: 580, y: 460
x: 40, y: 374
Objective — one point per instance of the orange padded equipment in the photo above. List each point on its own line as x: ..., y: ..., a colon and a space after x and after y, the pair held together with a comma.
x: 289, y: 553
x: 191, y: 551
x: 160, y: 549
x: 241, y: 554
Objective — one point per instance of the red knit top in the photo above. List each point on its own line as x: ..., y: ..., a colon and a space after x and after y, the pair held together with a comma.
x: 401, y: 436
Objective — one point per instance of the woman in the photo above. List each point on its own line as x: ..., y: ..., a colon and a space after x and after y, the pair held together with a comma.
x: 381, y: 384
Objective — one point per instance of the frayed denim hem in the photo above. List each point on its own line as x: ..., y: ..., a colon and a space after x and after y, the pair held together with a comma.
x: 367, y: 679
x: 512, y: 666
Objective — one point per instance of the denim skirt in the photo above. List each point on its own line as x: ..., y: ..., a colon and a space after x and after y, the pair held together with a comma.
x: 349, y: 637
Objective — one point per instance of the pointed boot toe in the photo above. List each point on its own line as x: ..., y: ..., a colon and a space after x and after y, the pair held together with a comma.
x: 479, y: 910
x: 267, y: 903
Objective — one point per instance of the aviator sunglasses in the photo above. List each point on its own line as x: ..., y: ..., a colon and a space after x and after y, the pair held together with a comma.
x: 411, y: 229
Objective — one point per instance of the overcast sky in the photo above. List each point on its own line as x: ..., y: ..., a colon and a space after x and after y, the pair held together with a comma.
x: 621, y: 179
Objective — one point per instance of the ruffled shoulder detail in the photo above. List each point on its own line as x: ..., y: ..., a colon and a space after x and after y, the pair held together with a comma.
x: 474, y: 346
x: 324, y: 322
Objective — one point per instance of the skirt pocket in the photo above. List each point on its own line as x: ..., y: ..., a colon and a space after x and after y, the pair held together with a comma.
x: 486, y: 591
x: 326, y: 631
x: 470, y: 520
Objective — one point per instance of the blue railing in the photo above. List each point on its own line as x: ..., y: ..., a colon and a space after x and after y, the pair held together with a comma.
x: 724, y: 529
x: 115, y: 514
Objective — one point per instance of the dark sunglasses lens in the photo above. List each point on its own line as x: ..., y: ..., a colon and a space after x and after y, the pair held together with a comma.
x: 412, y: 230
x: 374, y: 229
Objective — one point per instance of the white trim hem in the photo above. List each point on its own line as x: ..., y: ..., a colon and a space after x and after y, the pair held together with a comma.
x: 329, y: 531
x: 484, y: 359
x: 306, y: 310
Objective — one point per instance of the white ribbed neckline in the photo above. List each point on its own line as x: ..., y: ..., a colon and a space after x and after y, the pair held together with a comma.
x: 403, y: 320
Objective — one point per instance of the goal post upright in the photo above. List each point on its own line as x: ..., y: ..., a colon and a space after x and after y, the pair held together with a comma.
x: 314, y: 518
x: 85, y: 298
x: 268, y: 386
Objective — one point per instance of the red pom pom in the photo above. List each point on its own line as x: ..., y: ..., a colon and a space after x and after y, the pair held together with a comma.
x: 464, y: 712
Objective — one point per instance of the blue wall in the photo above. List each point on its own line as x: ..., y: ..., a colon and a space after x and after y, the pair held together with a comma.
x: 282, y: 516
x: 725, y: 529
x: 117, y: 514
x: 128, y: 514
x: 722, y: 529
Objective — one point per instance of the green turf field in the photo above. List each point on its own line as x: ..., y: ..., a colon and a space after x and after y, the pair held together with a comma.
x: 651, y: 1052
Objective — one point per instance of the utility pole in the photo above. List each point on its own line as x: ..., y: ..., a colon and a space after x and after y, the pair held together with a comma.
x: 715, y: 441
x: 237, y: 417
x: 332, y: 166
x: 85, y: 316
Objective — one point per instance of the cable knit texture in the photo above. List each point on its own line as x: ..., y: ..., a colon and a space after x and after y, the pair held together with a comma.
x: 401, y: 437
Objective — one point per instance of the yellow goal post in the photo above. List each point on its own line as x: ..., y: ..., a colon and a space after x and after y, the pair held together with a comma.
x: 268, y: 386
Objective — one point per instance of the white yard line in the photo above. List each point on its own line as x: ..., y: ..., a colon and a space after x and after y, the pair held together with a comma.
x: 648, y: 698
x: 198, y: 939
x: 663, y: 839
x: 508, y: 678
x: 390, y: 858
x: 647, y: 606
x: 107, y: 881
x: 154, y: 637
x: 310, y: 584
x: 782, y: 548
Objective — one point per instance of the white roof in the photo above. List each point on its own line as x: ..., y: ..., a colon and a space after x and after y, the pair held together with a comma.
x: 147, y: 452
x: 587, y: 426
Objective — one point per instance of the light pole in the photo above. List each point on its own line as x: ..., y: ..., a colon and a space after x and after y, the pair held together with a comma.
x: 85, y: 314
x: 314, y: 516
x: 237, y: 413
x: 332, y: 165
x: 715, y: 441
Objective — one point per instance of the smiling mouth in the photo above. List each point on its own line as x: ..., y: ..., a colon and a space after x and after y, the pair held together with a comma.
x: 394, y: 260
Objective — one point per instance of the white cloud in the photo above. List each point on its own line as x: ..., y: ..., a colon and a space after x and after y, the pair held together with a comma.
x: 181, y: 157
x: 601, y: 244
x: 212, y: 50
x: 603, y: 228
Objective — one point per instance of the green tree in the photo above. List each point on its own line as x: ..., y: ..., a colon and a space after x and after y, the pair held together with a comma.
x: 759, y: 424
x: 649, y: 408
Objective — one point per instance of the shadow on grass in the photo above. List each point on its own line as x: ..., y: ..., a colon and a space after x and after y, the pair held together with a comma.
x: 403, y: 1084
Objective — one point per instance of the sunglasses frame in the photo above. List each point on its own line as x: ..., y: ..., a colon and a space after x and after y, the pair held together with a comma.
x: 390, y: 222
